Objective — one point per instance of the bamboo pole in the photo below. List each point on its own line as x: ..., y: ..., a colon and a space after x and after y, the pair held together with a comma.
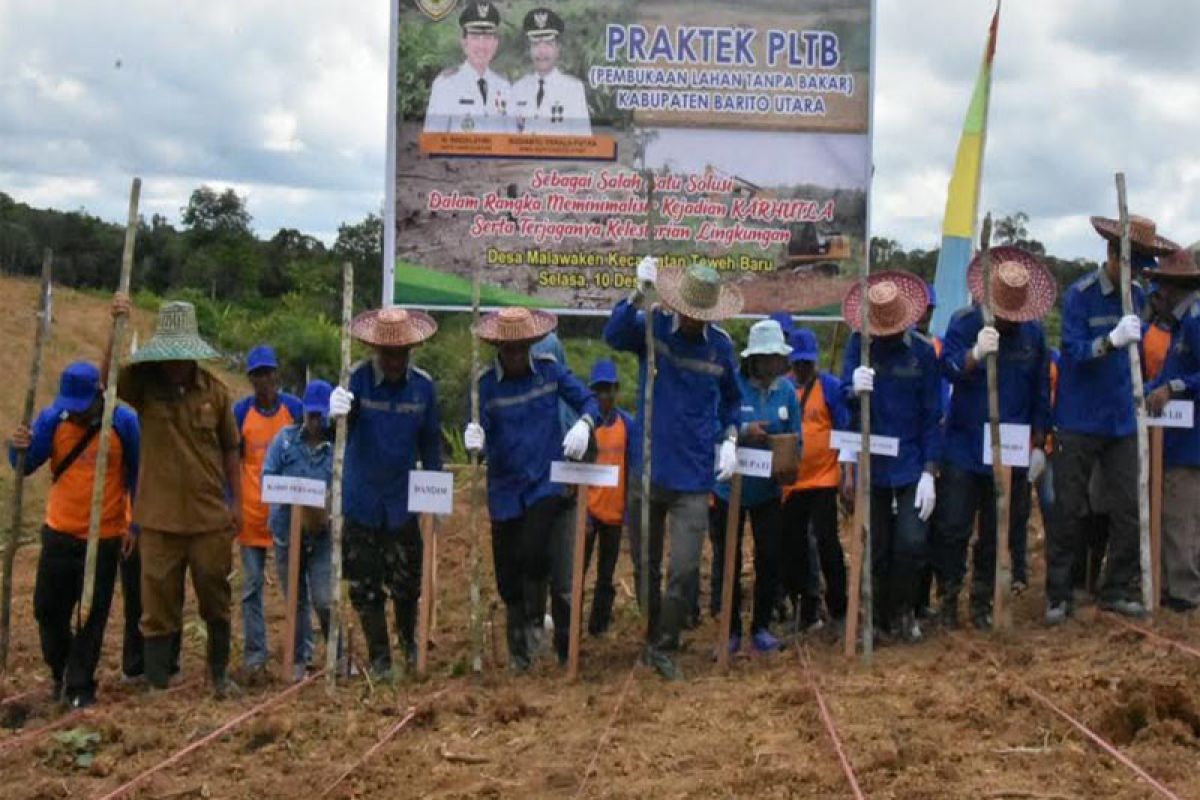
x: 861, y: 566
x: 1001, y: 613
x: 733, y: 520
x: 475, y: 499
x: 295, y: 543
x: 647, y: 422
x: 110, y: 406
x: 1156, y: 510
x: 577, y: 575
x: 40, y: 334
x: 336, y: 519
x: 1139, y: 403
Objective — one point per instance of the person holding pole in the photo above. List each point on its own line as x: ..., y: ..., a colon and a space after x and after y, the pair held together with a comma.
x: 65, y: 435
x: 520, y: 434
x: 1178, y: 280
x: 768, y: 408
x: 259, y: 417
x: 1095, y: 424
x: 305, y: 451
x: 695, y: 393
x: 905, y: 384
x: 1023, y: 291
x: 189, y: 504
x: 392, y: 423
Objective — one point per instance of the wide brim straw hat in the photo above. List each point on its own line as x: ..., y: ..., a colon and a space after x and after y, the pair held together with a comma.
x: 1179, y: 267
x: 176, y: 337
x: 697, y: 292
x: 1143, y: 234
x: 897, y: 300
x: 515, y: 324
x: 1023, y: 290
x: 393, y: 327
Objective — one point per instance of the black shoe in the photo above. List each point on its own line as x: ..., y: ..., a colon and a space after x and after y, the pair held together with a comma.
x: 82, y: 698
x: 158, y: 654
x: 662, y: 664
x: 981, y: 620
x: 1177, y: 605
x: 517, y: 638
x: 56, y: 692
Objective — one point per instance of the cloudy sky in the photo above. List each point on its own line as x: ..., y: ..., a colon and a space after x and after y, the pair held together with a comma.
x: 285, y: 101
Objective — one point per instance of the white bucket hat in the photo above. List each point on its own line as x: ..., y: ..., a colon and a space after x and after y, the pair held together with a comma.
x: 766, y: 339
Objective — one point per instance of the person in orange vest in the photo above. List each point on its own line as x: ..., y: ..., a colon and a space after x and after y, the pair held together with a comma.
x: 810, y: 514
x: 606, y: 505
x: 66, y: 435
x: 259, y: 416
x: 1156, y: 334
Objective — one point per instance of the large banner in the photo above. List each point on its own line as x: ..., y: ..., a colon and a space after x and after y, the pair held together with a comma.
x: 553, y: 143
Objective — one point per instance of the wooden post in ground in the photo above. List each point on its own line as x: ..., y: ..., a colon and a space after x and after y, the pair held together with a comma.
x: 1139, y: 402
x: 860, y: 537
x: 428, y: 599
x: 14, y: 528
x: 1156, y: 511
x: 733, y: 519
x: 336, y: 519
x: 474, y: 499
x: 106, y: 418
x: 577, y: 575
x: 295, y: 544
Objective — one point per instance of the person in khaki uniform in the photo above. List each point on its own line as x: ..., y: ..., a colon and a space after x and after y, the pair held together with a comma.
x: 188, y: 501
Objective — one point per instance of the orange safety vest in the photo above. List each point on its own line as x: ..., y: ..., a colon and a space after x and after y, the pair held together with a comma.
x: 257, y: 432
x: 606, y: 504
x: 69, y: 504
x: 818, y: 462
x: 1155, y: 343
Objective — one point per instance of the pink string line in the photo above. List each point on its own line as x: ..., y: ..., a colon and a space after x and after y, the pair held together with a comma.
x: 1152, y: 635
x: 608, y: 729
x: 827, y: 718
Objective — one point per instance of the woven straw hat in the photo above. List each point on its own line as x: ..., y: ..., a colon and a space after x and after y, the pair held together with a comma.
x: 1180, y: 267
x: 1143, y: 234
x: 897, y: 301
x: 697, y: 292
x: 1023, y: 290
x: 176, y: 338
x: 393, y: 327
x: 515, y: 324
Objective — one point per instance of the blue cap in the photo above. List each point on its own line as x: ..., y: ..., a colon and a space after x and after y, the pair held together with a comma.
x: 316, y: 397
x: 785, y: 321
x: 804, y: 345
x: 932, y: 294
x: 261, y: 357
x: 77, y: 388
x: 603, y: 371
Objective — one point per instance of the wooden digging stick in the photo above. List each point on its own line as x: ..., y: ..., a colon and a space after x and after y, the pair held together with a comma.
x: 733, y: 520
x: 14, y: 529
x: 295, y: 543
x: 862, y: 499
x: 1139, y: 403
x: 428, y: 599
x: 1156, y: 510
x: 647, y: 421
x: 336, y: 519
x: 1001, y: 613
x: 577, y: 573
x: 474, y: 498
x: 110, y: 407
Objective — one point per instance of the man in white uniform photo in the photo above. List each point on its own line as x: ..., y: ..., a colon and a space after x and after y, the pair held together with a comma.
x: 471, y: 98
x: 549, y: 102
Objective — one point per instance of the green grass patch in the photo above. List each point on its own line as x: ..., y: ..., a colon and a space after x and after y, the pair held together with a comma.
x: 423, y: 286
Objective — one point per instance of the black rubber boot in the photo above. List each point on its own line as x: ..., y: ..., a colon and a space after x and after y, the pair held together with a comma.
x: 534, y: 615
x: 518, y: 639
x: 406, y: 629
x: 601, y: 614
x: 375, y: 631
x: 158, y: 656
x: 219, y: 643
x: 948, y: 608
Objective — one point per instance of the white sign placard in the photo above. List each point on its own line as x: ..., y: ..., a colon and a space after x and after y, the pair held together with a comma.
x: 751, y: 463
x: 430, y: 492
x: 1014, y: 444
x: 281, y: 490
x: 852, y: 441
x: 1176, y: 414
x: 573, y: 472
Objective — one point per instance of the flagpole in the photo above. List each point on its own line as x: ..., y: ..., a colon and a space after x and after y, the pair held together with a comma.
x: 389, y: 187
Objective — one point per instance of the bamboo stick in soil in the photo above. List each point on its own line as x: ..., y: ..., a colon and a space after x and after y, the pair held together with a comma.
x: 474, y: 491
x: 861, y: 585
x: 336, y: 518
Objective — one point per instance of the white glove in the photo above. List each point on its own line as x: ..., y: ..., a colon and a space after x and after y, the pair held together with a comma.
x: 727, y: 461
x: 1128, y: 331
x: 473, y: 437
x: 986, y: 343
x: 647, y: 271
x: 340, y: 401
x: 926, y: 497
x: 864, y: 380
x: 575, y: 443
x: 1037, y: 464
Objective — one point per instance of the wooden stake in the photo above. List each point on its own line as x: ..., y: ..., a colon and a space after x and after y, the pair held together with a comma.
x: 295, y: 543
x: 1156, y: 511
x: 862, y: 497
x: 110, y: 407
x: 733, y: 519
x: 475, y: 499
x: 433, y: 578
x: 577, y: 574
x: 336, y: 520
x: 647, y: 423
x: 1139, y: 403
x: 850, y: 646
x: 14, y: 528
x: 427, y: 602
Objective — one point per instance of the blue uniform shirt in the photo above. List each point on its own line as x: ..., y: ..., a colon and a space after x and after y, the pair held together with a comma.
x: 1095, y: 391
x: 1023, y: 378
x: 519, y: 416
x: 292, y: 457
x: 695, y: 394
x: 1181, y: 371
x: 779, y: 410
x: 391, y: 427
x: 124, y: 424
x: 906, y: 404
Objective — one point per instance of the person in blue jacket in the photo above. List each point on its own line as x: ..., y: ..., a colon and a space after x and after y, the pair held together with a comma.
x: 695, y: 393
x: 905, y: 385
x: 520, y: 433
x: 1023, y: 291
x: 1095, y: 424
x: 392, y: 425
x: 769, y: 407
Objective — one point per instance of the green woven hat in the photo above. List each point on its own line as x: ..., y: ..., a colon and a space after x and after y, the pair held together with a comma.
x: 176, y: 338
